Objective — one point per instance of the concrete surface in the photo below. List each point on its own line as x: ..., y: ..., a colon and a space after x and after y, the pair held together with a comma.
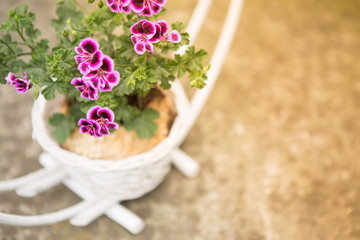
x: 278, y: 141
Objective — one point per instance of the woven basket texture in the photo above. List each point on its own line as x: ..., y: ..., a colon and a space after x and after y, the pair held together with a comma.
x: 123, y: 179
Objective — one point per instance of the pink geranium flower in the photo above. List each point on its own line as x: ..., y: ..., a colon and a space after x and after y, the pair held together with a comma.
x: 22, y: 85
x: 119, y: 6
x: 161, y: 31
x: 142, y: 31
x: 147, y: 7
x: 99, y: 121
x: 104, y: 78
x: 87, y: 88
x: 90, y: 57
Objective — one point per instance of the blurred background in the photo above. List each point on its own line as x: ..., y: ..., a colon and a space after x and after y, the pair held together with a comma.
x: 278, y: 141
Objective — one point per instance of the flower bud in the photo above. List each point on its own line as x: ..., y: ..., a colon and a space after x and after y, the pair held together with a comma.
x: 100, y: 4
x: 91, y: 1
x: 65, y: 33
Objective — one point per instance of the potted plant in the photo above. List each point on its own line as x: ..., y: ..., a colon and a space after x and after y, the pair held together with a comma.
x: 118, y: 110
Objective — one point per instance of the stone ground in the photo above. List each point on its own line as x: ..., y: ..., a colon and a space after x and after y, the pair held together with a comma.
x: 278, y: 141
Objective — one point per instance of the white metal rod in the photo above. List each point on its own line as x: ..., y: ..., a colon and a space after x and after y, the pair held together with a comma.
x: 217, y: 60
x: 118, y: 213
x: 195, y: 23
x: 184, y: 163
x: 126, y: 218
x: 50, y: 218
x: 93, y: 212
x: 41, y: 185
x: 12, y: 184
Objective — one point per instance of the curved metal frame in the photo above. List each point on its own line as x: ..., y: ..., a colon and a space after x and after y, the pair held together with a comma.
x: 92, y: 207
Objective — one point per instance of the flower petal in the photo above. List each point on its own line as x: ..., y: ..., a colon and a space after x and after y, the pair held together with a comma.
x: 10, y: 78
x: 104, y: 130
x: 174, y: 36
x: 89, y: 45
x: 137, y: 5
x: 96, y: 60
x: 164, y: 27
x: 137, y: 27
x: 139, y: 48
x: 149, y: 47
x: 149, y: 29
x: 92, y: 113
x: 107, y: 64
x: 112, y: 125
x: 106, y: 113
x: 84, y: 67
x: 113, y: 78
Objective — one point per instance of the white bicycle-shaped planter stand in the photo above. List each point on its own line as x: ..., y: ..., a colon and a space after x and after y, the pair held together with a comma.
x: 104, y: 184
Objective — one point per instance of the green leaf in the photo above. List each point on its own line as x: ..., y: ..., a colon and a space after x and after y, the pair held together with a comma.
x: 36, y: 93
x: 51, y: 87
x: 125, y: 113
x: 65, y: 11
x: 144, y: 124
x: 64, y: 125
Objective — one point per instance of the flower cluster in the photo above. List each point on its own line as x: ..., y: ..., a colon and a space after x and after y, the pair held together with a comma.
x: 129, y: 31
x: 21, y: 84
x: 145, y: 33
x: 98, y: 70
x: 99, y: 121
x: 145, y: 8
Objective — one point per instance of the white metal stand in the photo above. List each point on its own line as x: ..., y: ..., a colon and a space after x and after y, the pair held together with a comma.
x: 92, y: 207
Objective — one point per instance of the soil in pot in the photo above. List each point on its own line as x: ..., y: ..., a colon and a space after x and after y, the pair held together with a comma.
x: 122, y: 143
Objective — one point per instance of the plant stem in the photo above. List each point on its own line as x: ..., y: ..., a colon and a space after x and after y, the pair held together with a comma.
x: 139, y: 102
x: 8, y: 46
x: 18, y: 55
x: 22, y: 37
x: 80, y: 6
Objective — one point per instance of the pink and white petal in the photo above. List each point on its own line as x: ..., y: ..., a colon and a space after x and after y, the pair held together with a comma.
x: 106, y: 113
x: 125, y: 2
x: 107, y: 64
x: 79, y: 59
x: 160, y: 2
x: 136, y: 38
x: 105, y: 87
x: 92, y: 113
x: 149, y: 47
x: 93, y: 94
x: 104, y: 131
x: 139, y: 47
x: 10, y: 78
x: 155, y: 9
x: 157, y: 36
x: 84, y: 67
x: 95, y: 82
x: 137, y: 5
x: 85, y: 129
x: 147, y: 12
x: 114, y: 7
x: 90, y: 45
x: 137, y: 27
x: 79, y: 50
x: 113, y: 78
x: 110, y: 2
x: 112, y: 125
x: 125, y: 9
x: 149, y: 29
x: 164, y: 27
x: 91, y: 74
x: 96, y: 60
x: 174, y: 36
x: 77, y: 81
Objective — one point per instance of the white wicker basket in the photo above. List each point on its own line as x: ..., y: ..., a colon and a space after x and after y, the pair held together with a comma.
x: 123, y: 179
